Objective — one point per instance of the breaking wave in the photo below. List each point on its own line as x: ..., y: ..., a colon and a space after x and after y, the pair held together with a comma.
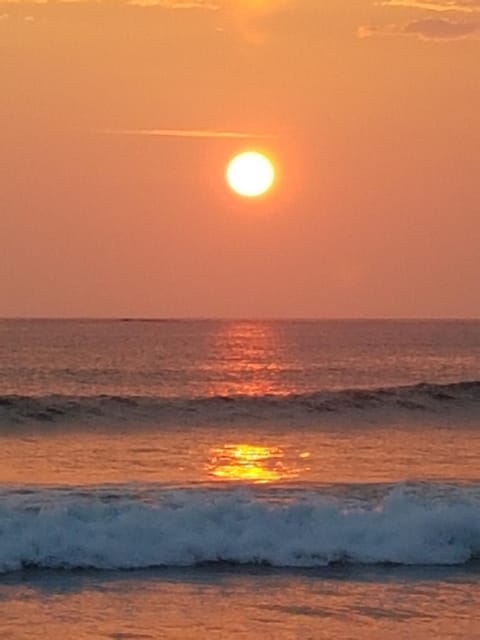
x: 192, y: 530
x: 106, y: 409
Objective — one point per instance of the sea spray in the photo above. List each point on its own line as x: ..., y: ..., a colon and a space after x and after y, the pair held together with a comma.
x: 184, y: 529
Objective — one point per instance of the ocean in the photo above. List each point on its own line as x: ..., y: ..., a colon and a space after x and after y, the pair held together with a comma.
x: 239, y: 479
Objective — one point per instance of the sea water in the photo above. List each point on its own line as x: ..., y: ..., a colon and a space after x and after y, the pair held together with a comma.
x: 239, y: 479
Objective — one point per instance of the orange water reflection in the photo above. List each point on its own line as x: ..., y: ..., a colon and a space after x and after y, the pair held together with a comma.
x: 252, y: 463
x: 249, y: 360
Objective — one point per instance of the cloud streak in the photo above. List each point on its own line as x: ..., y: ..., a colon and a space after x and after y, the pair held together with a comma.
x: 175, y: 4
x: 205, y: 134
x: 458, y: 6
x: 163, y: 4
x: 426, y: 29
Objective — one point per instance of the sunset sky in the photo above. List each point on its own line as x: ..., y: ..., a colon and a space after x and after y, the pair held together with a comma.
x: 118, y: 118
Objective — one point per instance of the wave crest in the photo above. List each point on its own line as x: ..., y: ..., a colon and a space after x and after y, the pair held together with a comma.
x: 236, y: 529
x: 105, y: 409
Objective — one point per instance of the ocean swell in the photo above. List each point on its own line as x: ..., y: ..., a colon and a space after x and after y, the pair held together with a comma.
x: 106, y: 409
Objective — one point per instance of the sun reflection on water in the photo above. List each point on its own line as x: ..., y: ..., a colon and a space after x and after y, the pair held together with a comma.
x: 249, y: 361
x: 252, y: 463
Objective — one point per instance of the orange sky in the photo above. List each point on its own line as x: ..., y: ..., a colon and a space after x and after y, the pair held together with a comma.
x: 369, y: 108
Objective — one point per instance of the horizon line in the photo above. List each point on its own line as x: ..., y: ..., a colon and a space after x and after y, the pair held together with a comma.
x: 248, y: 319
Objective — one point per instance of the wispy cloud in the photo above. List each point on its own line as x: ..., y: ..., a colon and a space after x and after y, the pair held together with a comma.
x: 430, y: 29
x: 175, y: 4
x: 459, y: 6
x: 186, y: 133
x: 426, y: 29
x: 165, y: 4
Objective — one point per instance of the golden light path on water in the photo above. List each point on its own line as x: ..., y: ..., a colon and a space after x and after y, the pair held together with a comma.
x: 250, y: 360
x: 253, y: 463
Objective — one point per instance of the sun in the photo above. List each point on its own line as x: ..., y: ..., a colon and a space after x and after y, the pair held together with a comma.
x: 250, y: 174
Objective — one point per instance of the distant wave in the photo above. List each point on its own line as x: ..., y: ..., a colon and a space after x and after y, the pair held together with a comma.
x: 239, y: 529
x: 107, y: 409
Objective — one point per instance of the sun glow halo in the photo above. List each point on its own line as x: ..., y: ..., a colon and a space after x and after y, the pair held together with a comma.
x: 250, y: 174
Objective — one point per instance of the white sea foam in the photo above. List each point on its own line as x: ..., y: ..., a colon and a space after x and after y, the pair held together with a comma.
x: 190, y: 529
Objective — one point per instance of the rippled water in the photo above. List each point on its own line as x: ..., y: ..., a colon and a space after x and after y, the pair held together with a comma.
x: 239, y: 479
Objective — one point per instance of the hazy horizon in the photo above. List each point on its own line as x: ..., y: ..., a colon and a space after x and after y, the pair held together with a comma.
x: 248, y: 318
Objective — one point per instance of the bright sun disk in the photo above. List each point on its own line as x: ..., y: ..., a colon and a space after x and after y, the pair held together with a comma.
x: 250, y: 174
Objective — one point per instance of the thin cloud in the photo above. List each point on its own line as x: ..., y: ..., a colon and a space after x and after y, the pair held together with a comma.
x: 430, y: 29
x: 175, y: 4
x: 459, y: 6
x: 426, y: 29
x: 187, y: 133
x: 165, y: 4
